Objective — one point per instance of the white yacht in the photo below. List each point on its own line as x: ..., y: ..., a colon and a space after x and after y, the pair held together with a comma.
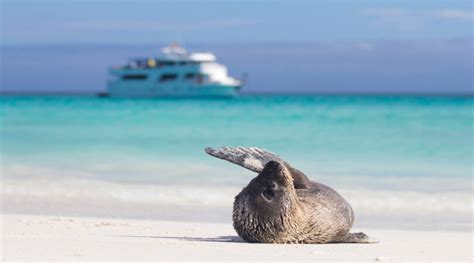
x: 175, y: 73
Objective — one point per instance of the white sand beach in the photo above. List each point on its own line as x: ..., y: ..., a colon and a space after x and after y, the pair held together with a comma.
x: 47, y: 238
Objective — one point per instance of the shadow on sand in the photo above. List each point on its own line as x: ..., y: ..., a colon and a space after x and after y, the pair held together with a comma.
x: 225, y: 239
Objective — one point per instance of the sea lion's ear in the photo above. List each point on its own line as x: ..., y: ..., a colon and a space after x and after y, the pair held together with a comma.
x: 300, y: 180
x: 255, y: 159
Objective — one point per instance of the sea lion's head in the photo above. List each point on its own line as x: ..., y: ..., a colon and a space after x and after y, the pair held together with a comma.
x: 264, y: 209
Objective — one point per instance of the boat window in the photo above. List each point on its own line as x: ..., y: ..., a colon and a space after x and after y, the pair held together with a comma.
x: 183, y: 63
x: 168, y: 77
x: 201, y: 78
x: 190, y: 76
x: 167, y: 63
x: 134, y: 77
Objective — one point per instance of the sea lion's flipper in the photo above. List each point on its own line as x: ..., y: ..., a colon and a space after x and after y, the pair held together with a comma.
x: 255, y: 158
x: 252, y: 158
x: 356, y: 238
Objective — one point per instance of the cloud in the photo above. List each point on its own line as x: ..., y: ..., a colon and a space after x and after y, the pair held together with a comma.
x: 406, y: 20
x: 396, y: 18
x: 455, y: 14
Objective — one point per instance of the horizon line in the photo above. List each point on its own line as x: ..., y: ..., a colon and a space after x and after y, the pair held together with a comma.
x: 249, y: 94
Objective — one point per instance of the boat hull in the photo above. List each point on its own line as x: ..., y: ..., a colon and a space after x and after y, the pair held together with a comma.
x: 143, y: 90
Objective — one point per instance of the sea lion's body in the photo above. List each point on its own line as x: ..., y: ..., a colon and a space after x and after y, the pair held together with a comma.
x: 281, y: 205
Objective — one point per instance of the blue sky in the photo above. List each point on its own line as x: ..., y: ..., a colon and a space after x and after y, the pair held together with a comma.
x: 138, y: 22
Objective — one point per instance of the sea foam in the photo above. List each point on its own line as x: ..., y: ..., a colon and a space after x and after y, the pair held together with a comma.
x: 83, y: 192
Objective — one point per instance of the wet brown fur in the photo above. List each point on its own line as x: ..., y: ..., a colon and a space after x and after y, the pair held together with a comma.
x: 281, y: 205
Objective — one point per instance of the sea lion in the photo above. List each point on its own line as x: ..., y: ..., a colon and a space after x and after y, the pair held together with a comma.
x: 281, y: 205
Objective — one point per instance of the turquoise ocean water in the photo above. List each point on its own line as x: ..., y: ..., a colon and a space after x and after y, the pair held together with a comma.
x: 402, y: 158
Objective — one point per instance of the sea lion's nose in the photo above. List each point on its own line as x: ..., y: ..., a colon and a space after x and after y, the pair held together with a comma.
x: 274, y: 165
x: 273, y: 170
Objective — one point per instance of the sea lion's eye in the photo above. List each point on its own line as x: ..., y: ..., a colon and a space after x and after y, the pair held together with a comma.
x: 273, y: 186
x: 268, y: 194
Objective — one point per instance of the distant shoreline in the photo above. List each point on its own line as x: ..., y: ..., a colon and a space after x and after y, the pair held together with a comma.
x: 246, y: 94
